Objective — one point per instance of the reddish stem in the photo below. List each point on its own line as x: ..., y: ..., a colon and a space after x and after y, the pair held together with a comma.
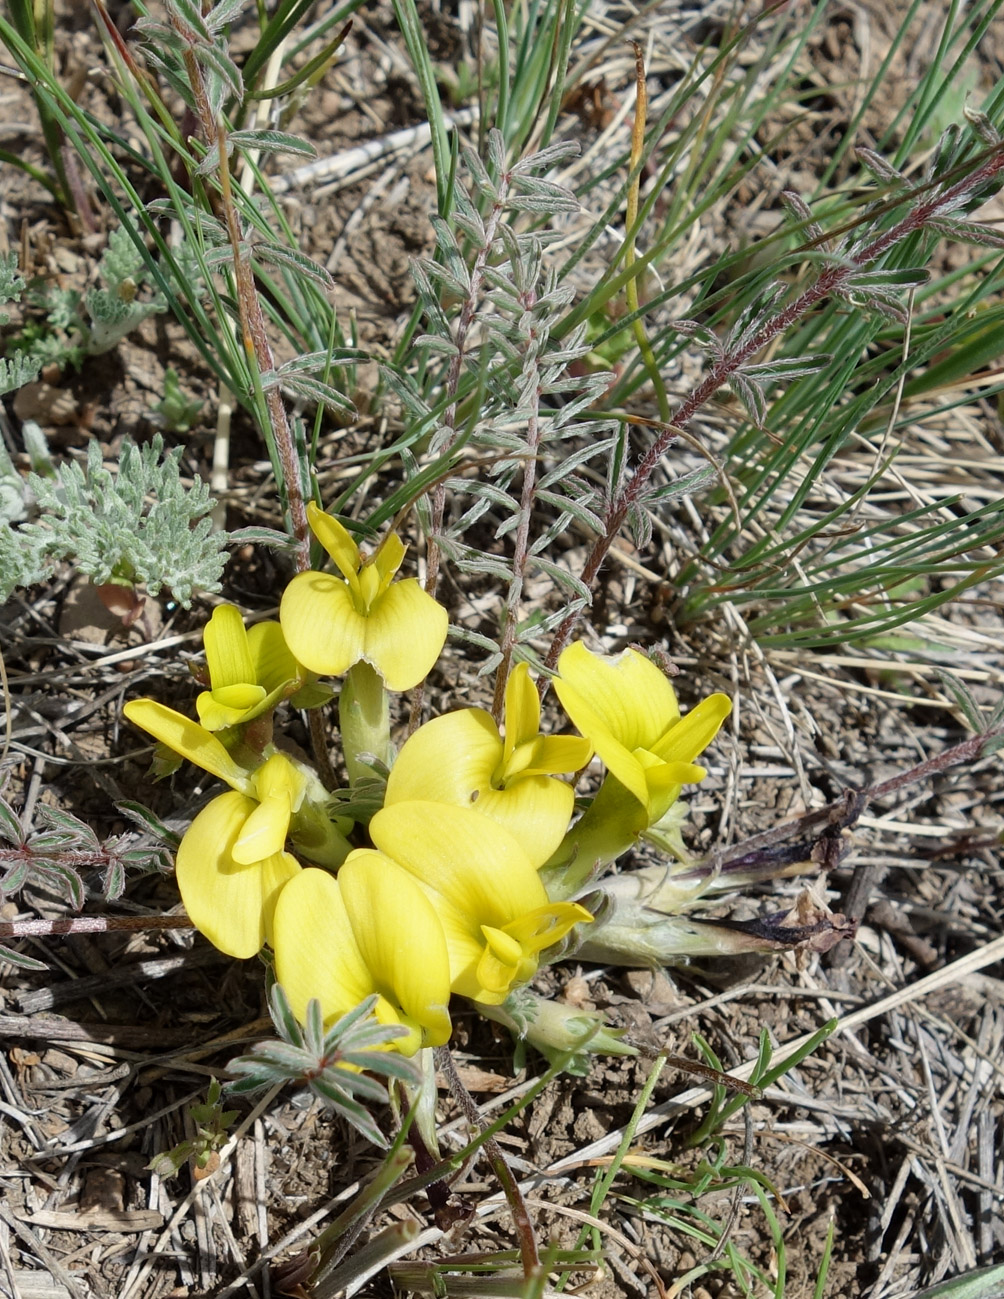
x: 831, y: 279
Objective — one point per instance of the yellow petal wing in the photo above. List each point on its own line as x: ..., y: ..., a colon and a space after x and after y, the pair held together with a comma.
x: 323, y: 629
x: 264, y: 831
x: 621, y: 762
x: 336, y: 540
x: 402, y: 942
x: 535, y: 810
x: 522, y: 710
x: 274, y: 664
x: 227, y: 706
x: 188, y: 738
x: 316, y: 953
x: 227, y: 652
x: 228, y: 902
x: 629, y: 695
x: 693, y: 733
x: 405, y: 633
x: 448, y: 760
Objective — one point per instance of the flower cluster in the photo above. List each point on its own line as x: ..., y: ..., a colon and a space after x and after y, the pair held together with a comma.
x: 467, y: 875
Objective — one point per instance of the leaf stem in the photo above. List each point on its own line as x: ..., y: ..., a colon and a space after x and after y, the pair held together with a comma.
x: 521, y: 539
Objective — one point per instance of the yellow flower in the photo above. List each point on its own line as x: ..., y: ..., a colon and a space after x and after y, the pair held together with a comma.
x: 488, y: 896
x: 232, y: 861
x: 460, y: 758
x: 371, y: 930
x: 231, y: 901
x: 249, y: 672
x: 330, y: 623
x: 627, y: 709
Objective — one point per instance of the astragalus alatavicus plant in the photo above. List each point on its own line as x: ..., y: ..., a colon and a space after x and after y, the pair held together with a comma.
x: 417, y: 863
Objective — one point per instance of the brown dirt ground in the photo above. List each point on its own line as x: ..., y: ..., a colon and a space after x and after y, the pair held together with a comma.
x: 892, y: 1132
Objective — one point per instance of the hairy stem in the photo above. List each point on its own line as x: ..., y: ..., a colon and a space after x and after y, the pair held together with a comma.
x: 252, y: 318
x: 521, y: 540
x: 525, y: 1234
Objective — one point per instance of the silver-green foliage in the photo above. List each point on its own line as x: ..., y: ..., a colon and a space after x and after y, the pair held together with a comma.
x: 329, y: 1061
x: 17, y: 370
x: 505, y: 347
x: 114, y: 310
x: 141, y: 525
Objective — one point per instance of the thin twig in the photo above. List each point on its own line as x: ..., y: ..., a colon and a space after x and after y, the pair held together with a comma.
x: 521, y: 1218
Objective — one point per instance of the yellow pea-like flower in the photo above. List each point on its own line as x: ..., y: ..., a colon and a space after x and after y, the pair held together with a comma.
x: 628, y: 710
x: 232, y: 860
x: 331, y: 623
x: 250, y: 671
x: 486, y: 892
x: 461, y: 758
x: 370, y: 930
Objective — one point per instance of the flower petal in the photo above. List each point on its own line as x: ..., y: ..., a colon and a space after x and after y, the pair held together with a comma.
x: 316, y: 953
x: 470, y: 860
x: 274, y: 664
x: 388, y: 558
x: 618, y: 760
x: 405, y: 632
x: 280, y: 774
x: 401, y: 941
x: 474, y: 872
x: 322, y: 627
x: 535, y: 810
x: 264, y: 831
x: 228, y: 902
x: 336, y: 540
x: 448, y: 760
x: 627, y: 693
x: 189, y: 739
x: 550, y: 754
x: 522, y: 711
x: 227, y: 652
x: 227, y: 706
x: 693, y: 733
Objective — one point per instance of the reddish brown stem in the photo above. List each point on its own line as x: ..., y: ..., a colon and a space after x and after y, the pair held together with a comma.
x: 89, y: 925
x: 255, y: 335
x: 529, y: 1254
x: 831, y: 279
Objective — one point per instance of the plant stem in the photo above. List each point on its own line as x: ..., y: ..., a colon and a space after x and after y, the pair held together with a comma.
x: 832, y: 279
x: 260, y: 357
x: 453, y: 375
x: 521, y: 540
x: 840, y: 814
x: 255, y: 335
x: 525, y: 1234
x: 89, y: 925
